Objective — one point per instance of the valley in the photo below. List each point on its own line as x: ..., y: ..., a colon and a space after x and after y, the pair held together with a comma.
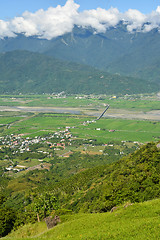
x: 113, y: 113
x: 63, y: 125
x: 53, y: 147
x: 79, y: 122
x: 127, y: 106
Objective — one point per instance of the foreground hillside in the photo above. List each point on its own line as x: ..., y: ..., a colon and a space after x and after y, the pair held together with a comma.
x: 136, y: 221
x: 135, y: 178
x: 28, y: 72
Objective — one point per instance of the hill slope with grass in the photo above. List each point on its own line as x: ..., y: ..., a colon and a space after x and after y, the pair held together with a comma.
x: 135, y: 178
x: 136, y: 221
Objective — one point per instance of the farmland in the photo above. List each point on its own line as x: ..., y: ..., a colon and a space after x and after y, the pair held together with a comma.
x: 41, y: 124
x: 30, y: 124
x: 55, y: 145
x: 135, y: 102
x: 134, y: 118
x: 68, y: 125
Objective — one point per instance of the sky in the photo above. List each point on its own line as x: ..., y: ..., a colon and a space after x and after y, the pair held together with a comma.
x: 13, y: 8
x: 51, y: 18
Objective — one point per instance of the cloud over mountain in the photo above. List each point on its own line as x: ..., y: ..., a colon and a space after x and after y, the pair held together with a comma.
x: 57, y: 21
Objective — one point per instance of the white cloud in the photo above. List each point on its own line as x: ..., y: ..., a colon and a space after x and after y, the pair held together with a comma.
x: 153, y: 19
x: 134, y: 19
x: 47, y: 24
x: 57, y: 21
x: 5, y: 30
x: 22, y: 25
x: 100, y: 19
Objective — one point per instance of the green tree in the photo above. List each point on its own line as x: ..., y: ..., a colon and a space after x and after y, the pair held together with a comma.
x: 7, y: 220
x: 44, y: 204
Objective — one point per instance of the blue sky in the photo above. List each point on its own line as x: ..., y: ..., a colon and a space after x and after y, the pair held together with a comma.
x: 12, y: 8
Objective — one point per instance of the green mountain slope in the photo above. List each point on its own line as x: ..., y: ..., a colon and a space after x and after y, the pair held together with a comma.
x: 132, y: 179
x: 142, y: 59
x: 28, y: 72
x: 138, y: 221
x: 116, y: 50
x: 81, y: 45
x: 135, y: 178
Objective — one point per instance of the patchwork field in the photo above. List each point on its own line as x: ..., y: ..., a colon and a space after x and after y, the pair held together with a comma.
x: 104, y: 130
x: 133, y: 118
x: 72, y: 120
x: 54, y: 142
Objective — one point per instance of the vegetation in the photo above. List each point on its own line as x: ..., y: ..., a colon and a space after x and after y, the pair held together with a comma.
x: 116, y: 51
x: 61, y: 164
x: 132, y: 179
x: 100, y: 177
x: 138, y: 102
x: 135, y: 179
x: 28, y: 72
x: 137, y: 221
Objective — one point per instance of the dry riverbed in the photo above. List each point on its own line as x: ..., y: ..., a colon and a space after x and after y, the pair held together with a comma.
x: 111, y: 113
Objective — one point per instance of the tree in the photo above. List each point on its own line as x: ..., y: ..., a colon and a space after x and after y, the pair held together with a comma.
x: 7, y: 220
x: 44, y: 204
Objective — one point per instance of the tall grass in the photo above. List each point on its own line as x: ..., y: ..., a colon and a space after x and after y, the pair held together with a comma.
x: 135, y: 222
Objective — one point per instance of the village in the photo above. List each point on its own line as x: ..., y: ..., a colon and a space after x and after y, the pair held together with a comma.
x: 19, y: 153
x: 39, y: 147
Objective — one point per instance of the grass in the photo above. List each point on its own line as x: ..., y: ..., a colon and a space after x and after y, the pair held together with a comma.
x: 129, y: 130
x: 132, y: 103
x: 8, y: 120
x: 142, y: 105
x: 29, y: 230
x: 41, y: 124
x: 136, y: 222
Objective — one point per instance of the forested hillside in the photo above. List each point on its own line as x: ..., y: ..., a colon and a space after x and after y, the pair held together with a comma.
x: 28, y: 72
x: 117, y: 50
x: 135, y: 178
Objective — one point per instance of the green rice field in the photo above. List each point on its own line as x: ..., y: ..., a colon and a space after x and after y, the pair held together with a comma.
x: 106, y: 129
x: 139, y: 102
x: 103, y: 130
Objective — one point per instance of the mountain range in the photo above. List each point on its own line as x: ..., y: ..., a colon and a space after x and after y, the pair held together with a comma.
x: 114, y: 62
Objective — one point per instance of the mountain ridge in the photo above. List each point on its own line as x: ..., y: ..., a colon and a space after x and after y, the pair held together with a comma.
x: 30, y: 72
x: 115, y: 51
